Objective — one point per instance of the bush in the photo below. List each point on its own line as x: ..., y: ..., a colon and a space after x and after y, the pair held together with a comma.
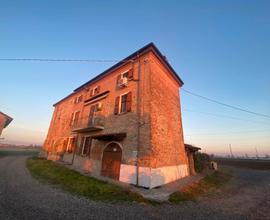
x: 201, y: 161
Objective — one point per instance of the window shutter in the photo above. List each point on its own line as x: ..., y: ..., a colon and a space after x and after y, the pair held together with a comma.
x: 130, y: 74
x: 118, y: 79
x: 116, y: 106
x: 89, y: 147
x: 74, y: 143
x: 129, y: 101
x: 64, y: 146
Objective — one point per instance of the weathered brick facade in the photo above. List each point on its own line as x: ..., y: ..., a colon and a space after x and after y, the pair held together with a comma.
x: 4, y: 121
x: 145, y: 123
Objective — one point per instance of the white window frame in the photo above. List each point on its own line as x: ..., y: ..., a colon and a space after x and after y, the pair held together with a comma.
x: 93, y: 90
x: 73, y: 118
x: 69, y: 142
x: 84, y: 145
x: 120, y: 103
x: 122, y: 74
x: 77, y: 99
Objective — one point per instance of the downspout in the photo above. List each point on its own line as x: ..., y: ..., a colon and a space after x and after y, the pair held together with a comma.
x: 139, y: 123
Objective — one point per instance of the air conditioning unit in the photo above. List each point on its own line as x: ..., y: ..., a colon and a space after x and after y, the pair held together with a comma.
x: 123, y: 82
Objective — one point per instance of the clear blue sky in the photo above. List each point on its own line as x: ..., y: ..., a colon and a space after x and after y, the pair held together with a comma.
x: 221, y: 49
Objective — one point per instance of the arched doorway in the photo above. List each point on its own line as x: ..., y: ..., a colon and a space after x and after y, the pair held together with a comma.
x: 111, y: 161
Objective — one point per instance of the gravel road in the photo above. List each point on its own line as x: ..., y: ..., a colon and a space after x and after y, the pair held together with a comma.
x: 247, y: 196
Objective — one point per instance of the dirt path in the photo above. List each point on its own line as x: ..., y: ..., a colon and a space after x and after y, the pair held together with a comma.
x: 23, y: 197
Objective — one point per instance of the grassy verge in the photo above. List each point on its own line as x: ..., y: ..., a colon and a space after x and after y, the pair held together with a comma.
x: 204, y: 186
x: 78, y: 184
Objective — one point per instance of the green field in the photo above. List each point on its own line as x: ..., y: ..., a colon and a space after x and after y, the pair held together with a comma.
x: 18, y: 152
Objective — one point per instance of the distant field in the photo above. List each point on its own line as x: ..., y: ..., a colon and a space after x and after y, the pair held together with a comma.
x: 245, y: 163
x: 18, y: 151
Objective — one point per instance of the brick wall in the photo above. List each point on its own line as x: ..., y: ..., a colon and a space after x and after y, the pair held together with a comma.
x: 166, y: 124
x: 160, y: 141
x: 127, y: 122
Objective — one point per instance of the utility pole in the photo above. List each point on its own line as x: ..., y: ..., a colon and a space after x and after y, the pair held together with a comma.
x: 230, y: 146
x: 257, y: 155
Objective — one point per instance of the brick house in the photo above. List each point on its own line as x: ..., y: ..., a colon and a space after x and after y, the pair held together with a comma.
x: 124, y: 124
x: 4, y: 121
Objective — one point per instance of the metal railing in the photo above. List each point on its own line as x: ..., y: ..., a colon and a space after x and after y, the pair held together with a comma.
x: 95, y: 122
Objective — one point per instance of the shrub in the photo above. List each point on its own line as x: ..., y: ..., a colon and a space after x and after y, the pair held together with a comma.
x: 201, y: 161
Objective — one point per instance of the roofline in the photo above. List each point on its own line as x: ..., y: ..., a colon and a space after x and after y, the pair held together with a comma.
x: 190, y: 146
x: 8, y: 117
x: 145, y: 49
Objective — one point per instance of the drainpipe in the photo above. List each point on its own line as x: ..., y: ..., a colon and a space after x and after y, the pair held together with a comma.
x: 139, y: 116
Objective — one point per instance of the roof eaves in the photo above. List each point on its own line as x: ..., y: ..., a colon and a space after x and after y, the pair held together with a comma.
x: 129, y: 58
x: 9, y: 119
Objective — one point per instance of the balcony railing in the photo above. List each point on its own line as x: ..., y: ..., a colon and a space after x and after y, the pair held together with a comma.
x: 94, y: 123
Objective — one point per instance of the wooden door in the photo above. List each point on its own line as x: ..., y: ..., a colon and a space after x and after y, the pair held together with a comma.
x: 111, y: 161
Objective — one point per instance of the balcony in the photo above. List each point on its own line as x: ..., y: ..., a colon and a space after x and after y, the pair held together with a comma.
x: 87, y: 124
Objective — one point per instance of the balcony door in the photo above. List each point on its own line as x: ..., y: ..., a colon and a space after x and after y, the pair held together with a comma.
x: 91, y: 114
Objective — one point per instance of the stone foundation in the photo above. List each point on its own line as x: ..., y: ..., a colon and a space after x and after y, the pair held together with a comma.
x: 152, y: 177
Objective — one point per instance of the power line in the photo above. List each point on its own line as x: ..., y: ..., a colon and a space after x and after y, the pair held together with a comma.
x: 63, y: 60
x: 227, y: 132
x: 227, y: 105
x: 224, y: 116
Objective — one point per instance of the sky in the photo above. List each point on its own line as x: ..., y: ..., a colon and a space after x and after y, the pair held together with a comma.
x: 220, y: 49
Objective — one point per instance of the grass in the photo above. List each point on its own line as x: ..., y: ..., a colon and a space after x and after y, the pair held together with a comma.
x: 17, y: 152
x: 203, y: 187
x: 78, y: 184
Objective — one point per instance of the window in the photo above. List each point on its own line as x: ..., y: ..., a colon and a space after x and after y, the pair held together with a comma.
x: 95, y: 108
x: 125, y: 75
x: 94, y: 91
x: 65, y: 142
x: 123, y: 103
x: 78, y: 99
x: 74, y: 118
x: 71, y: 145
x: 86, y: 149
